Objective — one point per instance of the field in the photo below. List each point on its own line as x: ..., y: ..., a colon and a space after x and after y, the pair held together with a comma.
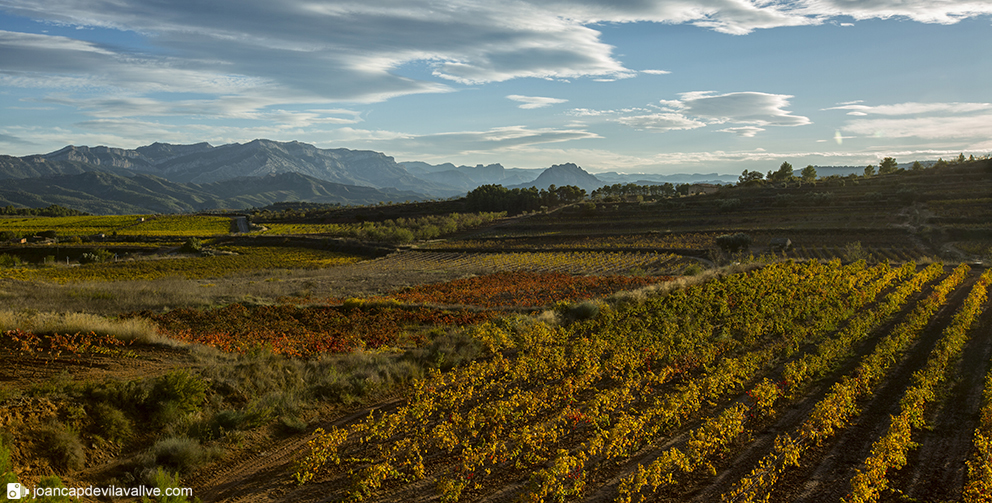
x: 610, y: 350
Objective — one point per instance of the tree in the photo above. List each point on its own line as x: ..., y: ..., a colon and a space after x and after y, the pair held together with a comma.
x: 749, y: 176
x: 869, y: 171
x: 809, y: 174
x: 888, y: 165
x: 960, y: 158
x: 784, y: 173
x: 917, y: 166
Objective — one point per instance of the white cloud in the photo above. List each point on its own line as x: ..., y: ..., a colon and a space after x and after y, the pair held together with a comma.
x: 924, y: 11
x: 743, y: 131
x: 588, y: 112
x: 951, y: 127
x: 759, y: 109
x: 455, y: 143
x: 912, y: 108
x: 530, y: 102
x: 660, y: 122
x: 753, y: 112
x: 656, y: 72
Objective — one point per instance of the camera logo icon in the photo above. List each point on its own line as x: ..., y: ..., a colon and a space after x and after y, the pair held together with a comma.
x: 15, y: 491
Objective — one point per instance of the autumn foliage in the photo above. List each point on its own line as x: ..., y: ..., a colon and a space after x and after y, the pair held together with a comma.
x: 521, y: 289
x: 305, y: 331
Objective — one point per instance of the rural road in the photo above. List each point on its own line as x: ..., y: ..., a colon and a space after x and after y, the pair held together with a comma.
x: 242, y: 223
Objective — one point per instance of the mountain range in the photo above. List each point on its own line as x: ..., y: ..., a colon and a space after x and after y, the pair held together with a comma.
x: 167, y: 178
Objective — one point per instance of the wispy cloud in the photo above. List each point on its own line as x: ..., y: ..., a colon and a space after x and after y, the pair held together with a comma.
x: 751, y: 111
x: 530, y: 102
x: 759, y: 109
x: 743, y: 131
x: 661, y: 122
x: 911, y: 108
x: 454, y: 143
x: 951, y: 127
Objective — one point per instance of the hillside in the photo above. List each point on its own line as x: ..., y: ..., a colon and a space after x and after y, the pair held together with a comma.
x: 101, y: 192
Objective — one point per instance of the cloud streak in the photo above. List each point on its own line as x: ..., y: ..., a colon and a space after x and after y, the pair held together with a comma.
x: 752, y: 112
x: 531, y: 102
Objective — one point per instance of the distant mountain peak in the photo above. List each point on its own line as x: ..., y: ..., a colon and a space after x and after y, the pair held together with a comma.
x: 566, y: 174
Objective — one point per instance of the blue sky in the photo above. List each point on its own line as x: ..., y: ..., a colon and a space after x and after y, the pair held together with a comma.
x: 628, y: 85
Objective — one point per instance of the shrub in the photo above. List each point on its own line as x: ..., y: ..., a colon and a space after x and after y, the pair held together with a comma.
x: 162, y: 480
x: 729, y: 204
x: 192, y: 245
x: 96, y: 256
x: 448, y: 351
x: 178, y: 454
x: 818, y: 198
x: 6, y: 468
x: 110, y: 422
x: 582, y: 311
x: 291, y: 424
x: 63, y: 447
x: 734, y: 243
x: 7, y: 260
x: 854, y: 252
x: 177, y: 392
x: 692, y: 269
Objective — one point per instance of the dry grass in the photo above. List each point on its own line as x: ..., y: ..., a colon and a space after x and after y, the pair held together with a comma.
x: 133, y: 329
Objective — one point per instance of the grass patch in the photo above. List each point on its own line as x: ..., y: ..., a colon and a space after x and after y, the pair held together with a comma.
x: 131, y: 329
x: 62, y: 446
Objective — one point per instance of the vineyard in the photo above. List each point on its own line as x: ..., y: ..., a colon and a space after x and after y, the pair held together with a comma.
x: 579, y: 262
x: 240, y: 258
x: 519, y: 289
x: 124, y: 225
x: 672, y: 398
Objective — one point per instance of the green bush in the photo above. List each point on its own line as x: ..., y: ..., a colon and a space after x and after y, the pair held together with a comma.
x: 192, y: 245
x: 96, y: 256
x: 447, y: 351
x: 110, y: 422
x: 162, y: 480
x: 176, y: 393
x: 734, y: 243
x: 7, y: 260
x: 729, y: 204
x: 7, y: 475
x: 291, y: 424
x: 177, y: 454
x: 586, y: 310
x: 692, y: 269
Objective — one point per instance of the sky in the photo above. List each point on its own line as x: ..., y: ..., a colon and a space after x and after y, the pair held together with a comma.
x: 634, y: 86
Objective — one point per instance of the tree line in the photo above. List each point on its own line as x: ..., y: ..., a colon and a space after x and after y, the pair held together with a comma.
x: 51, y: 211
x: 499, y: 198
x: 808, y: 174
